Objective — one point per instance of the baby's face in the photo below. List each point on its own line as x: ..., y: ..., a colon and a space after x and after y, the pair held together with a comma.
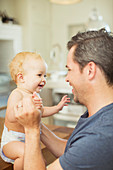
x: 35, y: 75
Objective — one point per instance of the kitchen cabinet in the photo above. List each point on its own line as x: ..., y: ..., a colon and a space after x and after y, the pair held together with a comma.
x: 10, y: 44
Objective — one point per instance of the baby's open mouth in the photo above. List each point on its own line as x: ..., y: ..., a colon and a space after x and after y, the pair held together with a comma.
x: 40, y: 86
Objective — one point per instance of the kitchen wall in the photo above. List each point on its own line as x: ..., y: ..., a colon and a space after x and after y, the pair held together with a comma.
x: 45, y: 24
x: 64, y: 16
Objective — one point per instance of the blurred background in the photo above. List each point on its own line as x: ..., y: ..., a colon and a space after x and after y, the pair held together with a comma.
x: 45, y: 27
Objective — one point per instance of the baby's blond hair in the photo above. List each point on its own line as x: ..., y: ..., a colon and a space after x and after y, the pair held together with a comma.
x: 16, y: 65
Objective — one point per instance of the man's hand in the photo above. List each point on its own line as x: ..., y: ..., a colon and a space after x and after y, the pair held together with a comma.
x: 38, y: 101
x: 27, y: 114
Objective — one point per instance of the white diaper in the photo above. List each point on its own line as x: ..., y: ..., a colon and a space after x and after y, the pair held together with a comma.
x: 9, y: 136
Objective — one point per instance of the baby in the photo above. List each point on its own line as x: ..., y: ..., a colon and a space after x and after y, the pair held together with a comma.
x: 28, y: 71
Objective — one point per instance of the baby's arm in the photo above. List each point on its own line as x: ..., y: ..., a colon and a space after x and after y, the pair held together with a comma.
x: 13, y: 99
x: 48, y: 111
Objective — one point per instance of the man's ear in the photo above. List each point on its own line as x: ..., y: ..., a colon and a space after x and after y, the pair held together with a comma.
x: 91, y: 70
x: 20, y: 77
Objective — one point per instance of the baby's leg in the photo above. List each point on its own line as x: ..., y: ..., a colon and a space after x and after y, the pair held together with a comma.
x: 15, y: 150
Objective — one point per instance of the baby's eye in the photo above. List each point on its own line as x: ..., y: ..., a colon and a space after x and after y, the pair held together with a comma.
x: 39, y: 75
x: 45, y: 75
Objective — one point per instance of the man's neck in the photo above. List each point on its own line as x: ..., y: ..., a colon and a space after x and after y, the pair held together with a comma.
x: 99, y: 100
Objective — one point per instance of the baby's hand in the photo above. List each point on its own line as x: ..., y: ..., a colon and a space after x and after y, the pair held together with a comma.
x: 37, y: 101
x: 63, y: 102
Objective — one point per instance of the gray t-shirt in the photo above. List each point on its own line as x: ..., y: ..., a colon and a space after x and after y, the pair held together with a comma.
x: 90, y: 146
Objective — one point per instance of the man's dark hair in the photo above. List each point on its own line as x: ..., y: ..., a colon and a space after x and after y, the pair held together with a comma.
x: 96, y: 46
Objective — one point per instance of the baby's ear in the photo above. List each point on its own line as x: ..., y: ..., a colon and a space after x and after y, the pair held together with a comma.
x: 20, y: 77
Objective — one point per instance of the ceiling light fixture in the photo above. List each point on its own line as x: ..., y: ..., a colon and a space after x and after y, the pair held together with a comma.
x: 65, y: 2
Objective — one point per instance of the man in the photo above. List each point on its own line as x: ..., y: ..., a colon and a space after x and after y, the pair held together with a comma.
x: 90, y: 73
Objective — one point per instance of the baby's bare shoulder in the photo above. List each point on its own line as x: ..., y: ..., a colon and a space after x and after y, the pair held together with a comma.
x: 15, y: 96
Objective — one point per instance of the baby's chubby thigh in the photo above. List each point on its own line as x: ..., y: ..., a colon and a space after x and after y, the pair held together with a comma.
x: 12, y: 145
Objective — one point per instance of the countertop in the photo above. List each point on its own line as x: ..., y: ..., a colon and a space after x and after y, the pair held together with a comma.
x: 57, y: 83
